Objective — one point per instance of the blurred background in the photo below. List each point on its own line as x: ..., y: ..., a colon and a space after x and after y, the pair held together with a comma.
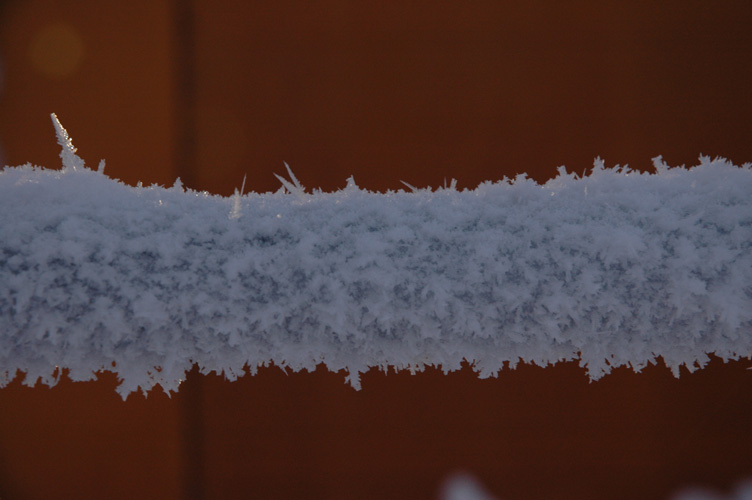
x: 411, y: 90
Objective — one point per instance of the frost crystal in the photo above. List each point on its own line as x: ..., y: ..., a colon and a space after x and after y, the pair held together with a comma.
x: 68, y: 151
x: 617, y: 268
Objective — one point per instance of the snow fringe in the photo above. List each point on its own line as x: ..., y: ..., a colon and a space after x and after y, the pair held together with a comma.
x: 612, y: 269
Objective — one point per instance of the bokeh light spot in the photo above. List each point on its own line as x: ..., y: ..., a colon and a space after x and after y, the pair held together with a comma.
x: 56, y: 51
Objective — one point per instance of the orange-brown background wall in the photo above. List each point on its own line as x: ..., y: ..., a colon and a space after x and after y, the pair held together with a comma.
x: 417, y: 91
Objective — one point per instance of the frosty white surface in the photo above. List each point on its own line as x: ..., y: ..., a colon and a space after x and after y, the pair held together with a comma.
x: 613, y: 269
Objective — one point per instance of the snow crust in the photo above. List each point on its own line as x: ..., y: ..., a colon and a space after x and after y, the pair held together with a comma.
x: 612, y: 269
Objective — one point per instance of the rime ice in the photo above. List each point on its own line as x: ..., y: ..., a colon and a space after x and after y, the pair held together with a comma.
x: 612, y: 269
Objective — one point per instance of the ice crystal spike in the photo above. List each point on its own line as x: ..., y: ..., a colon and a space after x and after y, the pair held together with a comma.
x: 235, y: 213
x: 294, y: 187
x: 293, y: 178
x: 412, y: 188
x: 62, y: 135
x: 285, y: 183
x: 68, y: 153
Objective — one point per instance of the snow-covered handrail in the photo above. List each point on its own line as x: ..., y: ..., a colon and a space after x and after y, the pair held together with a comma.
x: 613, y: 269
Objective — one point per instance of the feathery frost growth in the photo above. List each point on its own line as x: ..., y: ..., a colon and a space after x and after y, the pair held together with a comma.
x: 612, y: 269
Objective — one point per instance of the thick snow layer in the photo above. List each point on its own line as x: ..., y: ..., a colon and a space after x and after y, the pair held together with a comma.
x: 612, y: 269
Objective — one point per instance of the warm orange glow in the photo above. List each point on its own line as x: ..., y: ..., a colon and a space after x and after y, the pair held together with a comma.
x: 57, y: 50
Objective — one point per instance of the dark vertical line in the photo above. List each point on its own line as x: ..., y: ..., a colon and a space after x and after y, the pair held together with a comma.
x: 191, y: 391
x: 2, y: 78
x: 184, y: 52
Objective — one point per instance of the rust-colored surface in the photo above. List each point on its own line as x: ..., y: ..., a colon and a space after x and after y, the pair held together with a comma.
x: 531, y: 433
x: 114, y: 93
x: 385, y: 91
x: 414, y: 91
x: 80, y: 440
